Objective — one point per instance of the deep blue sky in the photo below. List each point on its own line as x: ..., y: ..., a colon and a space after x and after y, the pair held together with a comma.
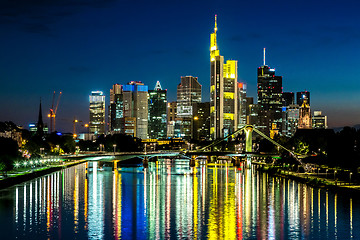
x: 76, y: 46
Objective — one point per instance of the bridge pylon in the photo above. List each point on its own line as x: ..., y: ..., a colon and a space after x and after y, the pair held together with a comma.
x: 145, y: 162
x: 248, y: 138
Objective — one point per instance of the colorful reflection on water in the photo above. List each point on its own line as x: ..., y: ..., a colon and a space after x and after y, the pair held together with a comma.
x: 169, y: 200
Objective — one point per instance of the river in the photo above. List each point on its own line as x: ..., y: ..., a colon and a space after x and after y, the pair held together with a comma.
x: 170, y: 200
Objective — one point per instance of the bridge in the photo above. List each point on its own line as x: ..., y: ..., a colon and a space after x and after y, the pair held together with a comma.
x: 207, y: 151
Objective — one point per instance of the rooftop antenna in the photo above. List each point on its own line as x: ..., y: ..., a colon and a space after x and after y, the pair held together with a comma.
x: 264, y: 57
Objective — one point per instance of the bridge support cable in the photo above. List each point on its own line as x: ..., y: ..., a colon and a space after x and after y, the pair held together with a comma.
x: 223, y: 139
x: 279, y: 145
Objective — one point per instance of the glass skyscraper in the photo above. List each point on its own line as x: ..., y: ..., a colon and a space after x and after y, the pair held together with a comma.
x: 97, y: 113
x: 157, y: 105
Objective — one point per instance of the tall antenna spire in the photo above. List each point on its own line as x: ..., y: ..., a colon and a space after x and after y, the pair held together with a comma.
x: 264, y: 56
x: 215, y: 28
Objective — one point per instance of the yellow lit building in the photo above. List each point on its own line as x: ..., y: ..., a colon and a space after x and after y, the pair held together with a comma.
x: 223, y: 92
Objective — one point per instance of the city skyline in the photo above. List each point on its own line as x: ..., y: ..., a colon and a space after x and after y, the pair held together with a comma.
x: 77, y: 47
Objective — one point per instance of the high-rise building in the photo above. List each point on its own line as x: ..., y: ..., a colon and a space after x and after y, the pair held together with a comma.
x: 242, y: 106
x: 269, y: 99
x: 319, y: 121
x: 300, y: 96
x: 290, y: 119
x: 157, y: 112
x: 97, y: 113
x: 135, y: 105
x: 201, y: 121
x: 188, y: 93
x: 116, y: 110
x: 223, y: 92
x: 171, y: 118
x: 288, y: 98
x: 305, y: 115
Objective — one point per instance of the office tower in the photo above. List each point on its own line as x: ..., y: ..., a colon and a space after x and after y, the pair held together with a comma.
x: 269, y: 99
x: 171, y: 116
x: 97, y: 113
x: 116, y: 111
x: 319, y: 121
x: 300, y: 96
x: 305, y: 115
x: 135, y: 105
x: 188, y: 93
x: 223, y: 92
x: 288, y: 98
x: 157, y: 112
x: 290, y: 119
x: 242, y: 104
x: 201, y: 121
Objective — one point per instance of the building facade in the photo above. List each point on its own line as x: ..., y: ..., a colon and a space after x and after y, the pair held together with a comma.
x: 135, y: 105
x: 201, y: 121
x: 157, y: 104
x: 270, y: 99
x: 116, y: 110
x: 188, y: 93
x: 305, y: 116
x: 97, y: 113
x: 300, y: 96
x: 319, y: 121
x: 223, y: 92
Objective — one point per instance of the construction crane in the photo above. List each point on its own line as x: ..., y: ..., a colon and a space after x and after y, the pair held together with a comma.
x: 52, y: 114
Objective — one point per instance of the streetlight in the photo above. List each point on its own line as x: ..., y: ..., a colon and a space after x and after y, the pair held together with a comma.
x: 114, y: 145
x: 145, y: 148
x: 327, y: 172
x: 350, y: 177
x: 334, y: 174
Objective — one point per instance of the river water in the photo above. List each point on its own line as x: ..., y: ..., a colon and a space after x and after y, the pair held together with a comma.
x: 170, y: 200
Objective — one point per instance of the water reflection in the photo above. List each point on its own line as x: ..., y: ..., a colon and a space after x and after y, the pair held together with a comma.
x: 170, y: 200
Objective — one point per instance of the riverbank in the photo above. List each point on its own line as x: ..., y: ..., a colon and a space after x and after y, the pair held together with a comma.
x: 24, y: 176
x: 311, y: 179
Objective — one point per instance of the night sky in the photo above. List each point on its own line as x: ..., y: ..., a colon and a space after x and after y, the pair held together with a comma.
x: 76, y: 46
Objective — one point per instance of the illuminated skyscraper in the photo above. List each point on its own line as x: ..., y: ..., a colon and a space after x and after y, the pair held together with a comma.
x: 157, y: 112
x: 135, y: 101
x: 223, y: 92
x: 188, y: 93
x: 269, y: 99
x: 97, y: 113
x: 300, y: 96
x: 116, y: 111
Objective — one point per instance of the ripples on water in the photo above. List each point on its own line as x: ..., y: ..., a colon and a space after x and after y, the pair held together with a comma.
x: 172, y: 201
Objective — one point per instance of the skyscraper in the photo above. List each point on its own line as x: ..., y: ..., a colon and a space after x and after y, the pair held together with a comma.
x: 97, y: 113
x: 300, y: 96
x: 305, y: 115
x: 201, y: 121
x: 188, y: 93
x: 242, y: 104
x: 223, y: 92
x: 116, y: 111
x: 171, y: 118
x: 135, y: 103
x: 157, y: 112
x: 288, y: 98
x: 269, y: 99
